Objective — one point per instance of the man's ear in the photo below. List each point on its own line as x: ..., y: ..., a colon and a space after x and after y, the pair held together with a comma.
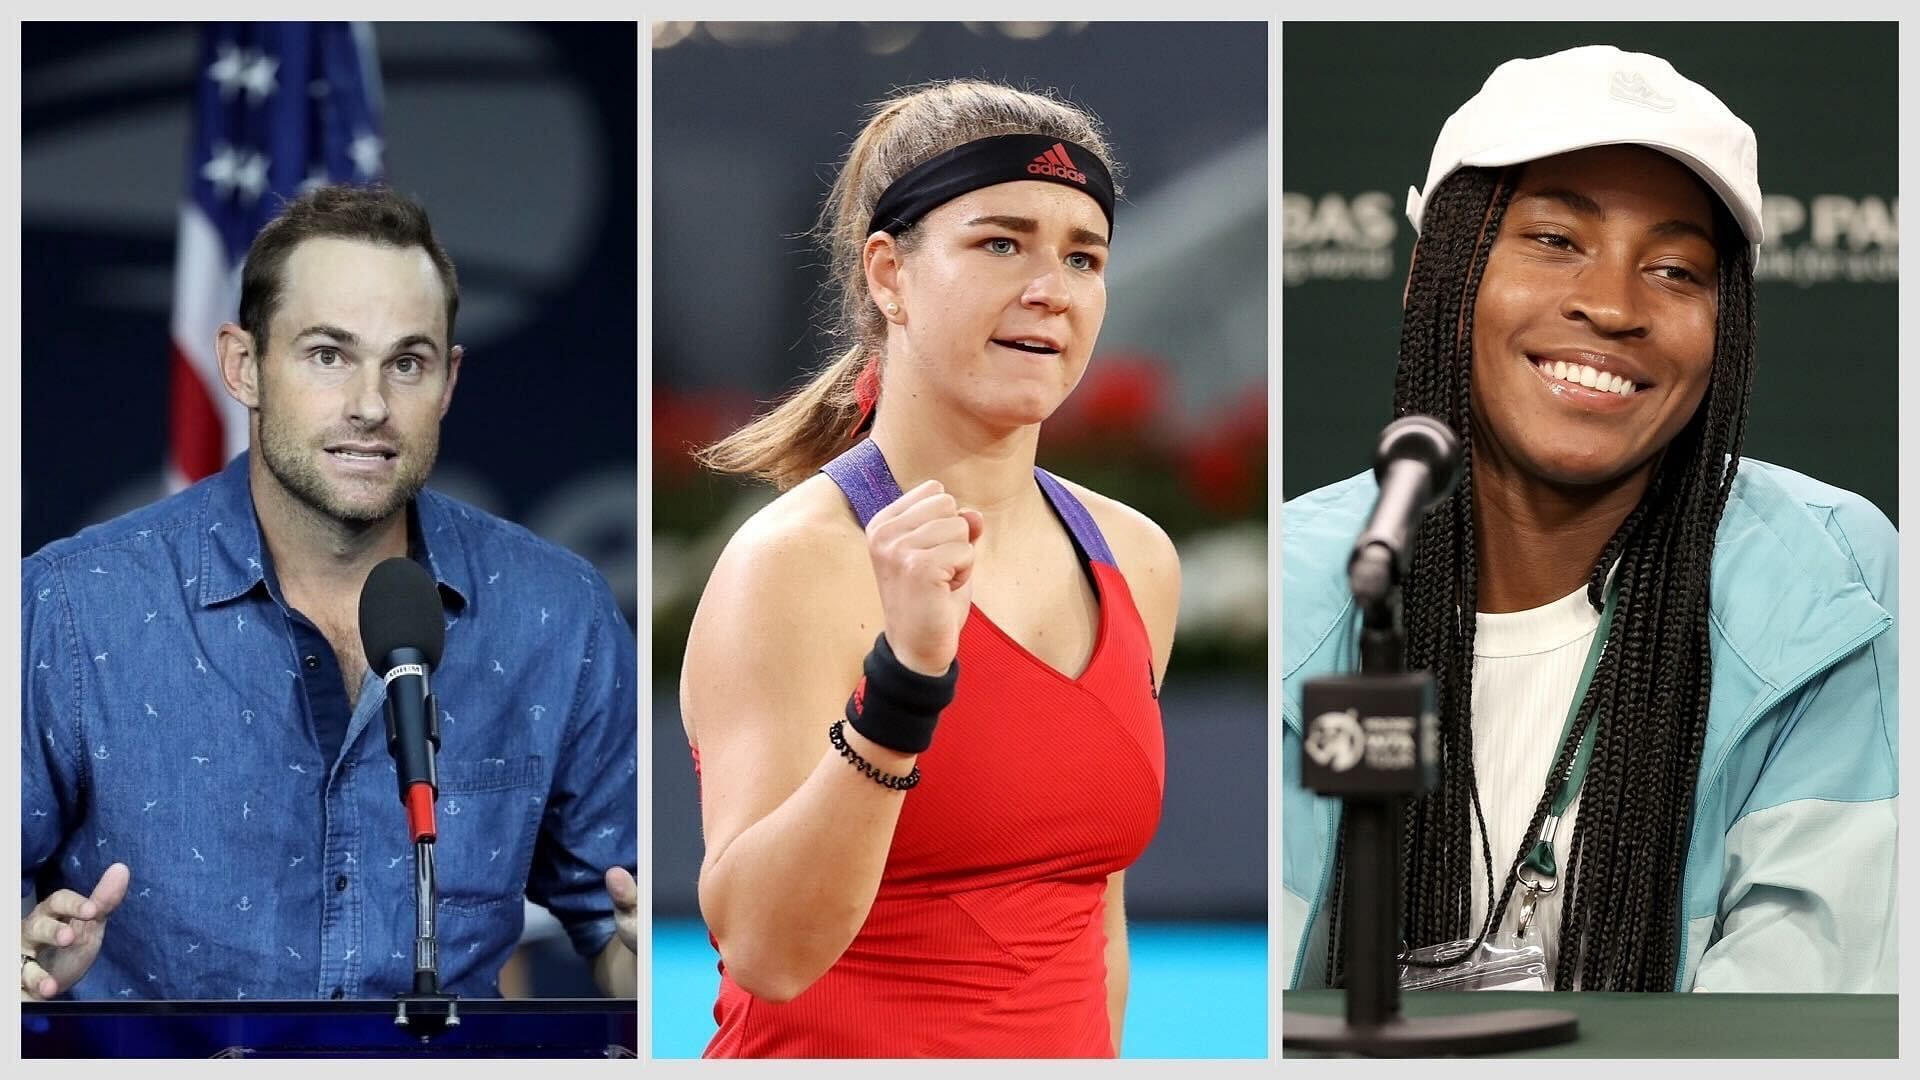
x: 239, y: 365
x: 453, y: 376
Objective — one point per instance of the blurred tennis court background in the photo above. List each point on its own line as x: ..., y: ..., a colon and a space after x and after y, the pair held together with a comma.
x: 1199, y: 990
x: 747, y: 123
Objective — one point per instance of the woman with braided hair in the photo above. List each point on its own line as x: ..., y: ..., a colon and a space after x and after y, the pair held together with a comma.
x: 1665, y: 674
x: 921, y: 686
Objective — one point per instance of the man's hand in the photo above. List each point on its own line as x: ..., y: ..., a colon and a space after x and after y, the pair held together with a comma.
x: 616, y: 971
x: 61, y: 936
x: 625, y: 894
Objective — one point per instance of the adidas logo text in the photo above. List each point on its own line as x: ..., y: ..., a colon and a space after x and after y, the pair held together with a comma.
x: 1055, y: 162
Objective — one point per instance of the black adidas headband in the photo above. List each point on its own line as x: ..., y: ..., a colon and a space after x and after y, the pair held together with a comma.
x: 997, y: 159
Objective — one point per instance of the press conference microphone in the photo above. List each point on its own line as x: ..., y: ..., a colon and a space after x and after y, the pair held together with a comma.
x: 1415, y: 465
x: 402, y: 635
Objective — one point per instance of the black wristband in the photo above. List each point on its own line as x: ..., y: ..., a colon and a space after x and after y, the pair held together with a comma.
x: 896, y: 706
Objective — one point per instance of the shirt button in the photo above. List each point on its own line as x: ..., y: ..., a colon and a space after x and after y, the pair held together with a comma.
x: 340, y: 883
x: 338, y: 993
x: 313, y: 663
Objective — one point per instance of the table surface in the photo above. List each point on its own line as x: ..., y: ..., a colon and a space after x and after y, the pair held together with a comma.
x: 1671, y: 1025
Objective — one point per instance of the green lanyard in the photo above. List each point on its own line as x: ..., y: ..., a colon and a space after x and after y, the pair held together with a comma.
x: 1540, y: 860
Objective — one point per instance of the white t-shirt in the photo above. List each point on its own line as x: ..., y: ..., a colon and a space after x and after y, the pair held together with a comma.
x: 1526, y: 666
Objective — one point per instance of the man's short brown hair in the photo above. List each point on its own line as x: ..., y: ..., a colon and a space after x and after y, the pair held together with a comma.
x: 377, y: 215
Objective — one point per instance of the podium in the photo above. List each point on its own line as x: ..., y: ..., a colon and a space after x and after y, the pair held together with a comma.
x: 545, y: 1028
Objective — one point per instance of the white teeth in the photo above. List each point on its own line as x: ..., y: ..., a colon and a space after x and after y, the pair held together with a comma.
x: 1592, y: 378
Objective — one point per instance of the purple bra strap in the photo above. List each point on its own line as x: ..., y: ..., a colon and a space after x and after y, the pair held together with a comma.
x: 864, y: 478
x: 1079, y: 523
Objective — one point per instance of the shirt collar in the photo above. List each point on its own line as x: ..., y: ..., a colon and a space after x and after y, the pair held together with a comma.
x: 233, y: 556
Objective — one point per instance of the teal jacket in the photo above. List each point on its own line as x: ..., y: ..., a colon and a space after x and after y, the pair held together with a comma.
x: 1790, y: 874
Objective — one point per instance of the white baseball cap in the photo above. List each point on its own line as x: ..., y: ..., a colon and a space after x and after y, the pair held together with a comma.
x: 1597, y: 95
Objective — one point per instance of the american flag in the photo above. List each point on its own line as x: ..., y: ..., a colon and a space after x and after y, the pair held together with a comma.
x: 278, y: 108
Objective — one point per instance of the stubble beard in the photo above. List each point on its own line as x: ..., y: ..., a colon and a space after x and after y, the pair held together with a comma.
x: 295, y: 467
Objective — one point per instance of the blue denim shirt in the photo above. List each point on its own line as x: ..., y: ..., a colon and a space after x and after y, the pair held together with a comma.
x: 167, y: 725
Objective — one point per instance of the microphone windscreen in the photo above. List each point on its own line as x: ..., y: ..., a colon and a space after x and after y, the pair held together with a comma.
x: 400, y: 608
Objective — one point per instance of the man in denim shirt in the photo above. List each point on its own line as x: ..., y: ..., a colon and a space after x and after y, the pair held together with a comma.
x: 208, y: 806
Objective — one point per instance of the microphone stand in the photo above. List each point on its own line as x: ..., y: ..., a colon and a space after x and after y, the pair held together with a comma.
x: 1372, y: 740
x: 426, y: 1009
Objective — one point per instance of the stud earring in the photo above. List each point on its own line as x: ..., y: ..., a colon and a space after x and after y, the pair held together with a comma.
x: 893, y: 308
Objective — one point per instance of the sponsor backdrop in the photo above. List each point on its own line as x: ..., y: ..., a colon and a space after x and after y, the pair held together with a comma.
x: 1362, y: 105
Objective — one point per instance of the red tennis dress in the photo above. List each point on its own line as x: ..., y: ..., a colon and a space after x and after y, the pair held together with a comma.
x: 986, y: 938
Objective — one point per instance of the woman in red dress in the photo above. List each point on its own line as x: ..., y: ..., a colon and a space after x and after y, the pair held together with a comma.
x: 922, y: 684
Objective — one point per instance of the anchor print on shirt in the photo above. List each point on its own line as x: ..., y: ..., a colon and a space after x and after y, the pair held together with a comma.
x: 496, y: 665
x: 493, y: 577
x: 199, y: 760
x: 150, y: 711
x: 244, y: 905
x: 197, y: 857
x: 151, y: 615
x: 200, y: 665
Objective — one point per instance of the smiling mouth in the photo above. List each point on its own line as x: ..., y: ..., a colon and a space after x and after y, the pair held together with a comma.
x: 1588, y: 377
x: 361, y: 455
x: 1028, y: 347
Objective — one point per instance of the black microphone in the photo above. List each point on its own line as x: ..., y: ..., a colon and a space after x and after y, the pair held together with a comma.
x: 1415, y: 465
x: 402, y: 634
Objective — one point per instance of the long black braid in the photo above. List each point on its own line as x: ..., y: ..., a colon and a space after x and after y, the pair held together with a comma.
x: 1627, y: 856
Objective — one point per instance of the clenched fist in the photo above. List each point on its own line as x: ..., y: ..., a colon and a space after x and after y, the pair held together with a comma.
x: 921, y: 545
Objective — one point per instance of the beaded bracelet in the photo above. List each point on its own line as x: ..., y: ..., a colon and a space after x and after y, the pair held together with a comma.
x: 838, y: 738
